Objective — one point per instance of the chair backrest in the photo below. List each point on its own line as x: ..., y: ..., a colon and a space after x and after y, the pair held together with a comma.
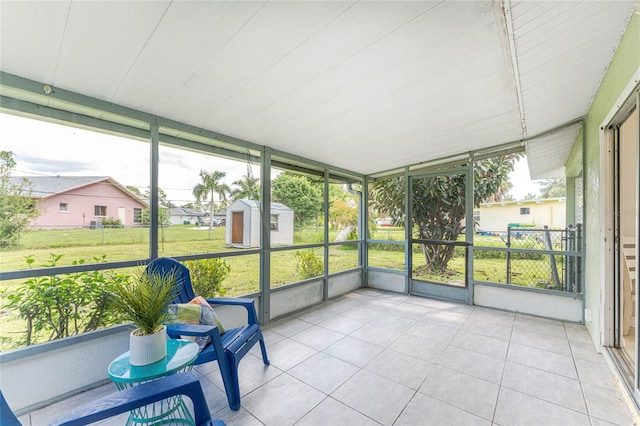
x: 167, y: 265
x: 7, y: 418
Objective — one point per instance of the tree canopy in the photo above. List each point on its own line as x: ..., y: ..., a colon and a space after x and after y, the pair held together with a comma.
x: 210, y: 186
x: 299, y: 193
x: 553, y: 188
x: 438, y: 209
x: 16, y: 204
x: 246, y: 187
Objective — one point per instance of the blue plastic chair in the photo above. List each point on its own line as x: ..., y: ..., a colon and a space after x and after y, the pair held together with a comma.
x: 130, y: 399
x: 228, y: 349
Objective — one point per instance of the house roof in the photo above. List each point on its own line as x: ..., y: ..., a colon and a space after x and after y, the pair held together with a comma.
x: 181, y: 211
x: 519, y: 202
x: 365, y: 86
x: 47, y: 186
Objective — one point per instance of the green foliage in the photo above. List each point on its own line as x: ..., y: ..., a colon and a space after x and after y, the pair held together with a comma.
x: 553, y: 188
x: 63, y: 305
x: 143, y: 299
x: 439, y: 204
x: 343, y: 207
x: 112, y: 223
x: 164, y: 217
x: 247, y: 187
x: 207, y: 276
x: 211, y: 185
x: 299, y: 193
x: 308, y: 264
x: 16, y: 204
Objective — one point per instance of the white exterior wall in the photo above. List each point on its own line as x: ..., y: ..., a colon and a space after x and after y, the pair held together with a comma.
x: 284, y: 234
x: 496, y: 217
x: 54, y: 370
x: 252, y: 228
x: 547, y: 305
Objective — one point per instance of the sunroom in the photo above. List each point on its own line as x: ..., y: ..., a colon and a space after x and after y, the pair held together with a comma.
x: 351, y: 98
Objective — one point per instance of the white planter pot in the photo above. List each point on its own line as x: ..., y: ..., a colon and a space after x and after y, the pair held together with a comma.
x: 144, y: 350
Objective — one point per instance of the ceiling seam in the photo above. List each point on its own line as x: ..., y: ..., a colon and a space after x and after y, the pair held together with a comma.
x: 64, y: 32
x: 213, y: 55
x: 506, y: 7
x: 382, y: 37
x: 284, y: 55
x: 133, y: 63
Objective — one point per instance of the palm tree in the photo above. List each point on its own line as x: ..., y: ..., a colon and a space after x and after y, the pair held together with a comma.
x: 247, y: 187
x: 209, y: 187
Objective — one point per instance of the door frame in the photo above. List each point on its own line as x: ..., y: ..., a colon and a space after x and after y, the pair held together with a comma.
x: 610, y: 322
x: 436, y: 290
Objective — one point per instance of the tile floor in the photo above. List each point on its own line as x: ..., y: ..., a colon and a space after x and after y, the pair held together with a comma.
x: 377, y: 358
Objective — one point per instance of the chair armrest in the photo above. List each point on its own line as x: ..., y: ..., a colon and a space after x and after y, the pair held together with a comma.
x: 239, y: 301
x: 176, y: 330
x: 139, y: 396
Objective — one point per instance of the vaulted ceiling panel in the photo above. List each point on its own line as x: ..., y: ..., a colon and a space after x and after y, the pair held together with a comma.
x: 101, y: 43
x: 177, y: 57
x: 367, y: 86
x: 25, y: 50
x: 563, y: 49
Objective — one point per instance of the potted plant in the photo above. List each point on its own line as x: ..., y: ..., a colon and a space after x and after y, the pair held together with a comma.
x: 143, y: 300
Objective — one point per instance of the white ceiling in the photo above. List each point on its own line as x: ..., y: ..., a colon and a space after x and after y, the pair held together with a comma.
x: 367, y: 86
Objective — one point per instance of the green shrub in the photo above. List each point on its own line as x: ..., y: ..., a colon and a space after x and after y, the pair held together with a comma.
x: 112, y: 223
x: 63, y: 305
x: 207, y: 276
x: 308, y: 265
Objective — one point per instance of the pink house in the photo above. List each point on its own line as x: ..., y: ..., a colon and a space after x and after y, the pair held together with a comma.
x: 82, y: 201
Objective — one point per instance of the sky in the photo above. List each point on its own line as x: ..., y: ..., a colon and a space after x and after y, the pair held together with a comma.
x: 46, y: 149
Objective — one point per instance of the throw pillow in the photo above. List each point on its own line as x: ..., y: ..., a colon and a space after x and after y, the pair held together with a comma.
x: 196, y: 312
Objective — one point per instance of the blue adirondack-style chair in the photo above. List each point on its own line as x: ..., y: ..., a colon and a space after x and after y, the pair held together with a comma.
x: 228, y: 348
x: 130, y: 399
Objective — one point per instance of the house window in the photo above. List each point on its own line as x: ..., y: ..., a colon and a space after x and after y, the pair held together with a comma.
x: 525, y: 210
x: 274, y: 222
x: 476, y: 215
x: 64, y: 208
x: 100, y: 211
x: 137, y: 215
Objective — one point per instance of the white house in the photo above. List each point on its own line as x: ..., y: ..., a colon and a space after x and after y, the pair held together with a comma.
x: 496, y: 217
x: 180, y: 215
x: 243, y: 224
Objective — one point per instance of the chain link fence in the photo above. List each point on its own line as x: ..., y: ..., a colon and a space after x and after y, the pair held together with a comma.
x: 544, y: 258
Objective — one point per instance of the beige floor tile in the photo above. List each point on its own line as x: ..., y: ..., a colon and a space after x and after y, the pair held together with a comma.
x: 465, y: 392
x: 474, y: 364
x: 342, y: 324
x: 324, y: 372
x: 432, y: 331
x: 487, y: 328
x: 355, y: 351
x: 289, y: 353
x: 426, y: 411
x: 543, y: 360
x: 606, y: 403
x: 317, y: 337
x: 419, y: 347
x: 515, y: 408
x: 332, y: 412
x: 483, y: 344
x: 541, y: 341
x: 283, y: 401
x: 549, y: 387
x: 403, y: 369
x: 374, y: 396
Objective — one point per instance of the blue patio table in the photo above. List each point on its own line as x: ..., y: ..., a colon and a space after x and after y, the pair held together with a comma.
x: 180, y: 356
